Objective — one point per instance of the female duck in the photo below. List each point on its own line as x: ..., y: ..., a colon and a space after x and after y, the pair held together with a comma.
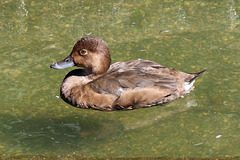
x: 123, y: 85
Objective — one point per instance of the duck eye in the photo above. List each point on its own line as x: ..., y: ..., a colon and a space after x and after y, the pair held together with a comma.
x: 83, y: 52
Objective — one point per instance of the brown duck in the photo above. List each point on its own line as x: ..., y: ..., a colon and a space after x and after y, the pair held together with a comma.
x: 122, y: 85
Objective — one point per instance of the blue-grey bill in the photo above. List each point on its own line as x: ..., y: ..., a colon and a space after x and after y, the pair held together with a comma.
x: 67, y: 62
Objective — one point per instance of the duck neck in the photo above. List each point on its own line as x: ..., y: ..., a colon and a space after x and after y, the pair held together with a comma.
x: 98, y: 71
x: 100, y: 66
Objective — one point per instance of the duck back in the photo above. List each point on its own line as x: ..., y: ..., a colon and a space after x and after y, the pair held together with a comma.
x: 142, y: 83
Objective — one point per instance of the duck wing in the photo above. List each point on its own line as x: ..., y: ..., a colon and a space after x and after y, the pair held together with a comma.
x: 131, y: 75
x: 143, y: 83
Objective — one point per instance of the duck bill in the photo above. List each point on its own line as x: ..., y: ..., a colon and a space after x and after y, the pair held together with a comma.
x: 67, y: 62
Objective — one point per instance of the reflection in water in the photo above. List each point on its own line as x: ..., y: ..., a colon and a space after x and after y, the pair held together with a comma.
x: 155, y: 117
x: 68, y: 134
x: 181, y: 15
x: 234, y: 17
x: 22, y: 13
x: 22, y: 10
x: 56, y: 136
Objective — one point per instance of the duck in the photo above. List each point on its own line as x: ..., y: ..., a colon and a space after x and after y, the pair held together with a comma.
x: 121, y: 86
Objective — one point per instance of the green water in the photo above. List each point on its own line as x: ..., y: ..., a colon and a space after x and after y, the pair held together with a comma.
x: 187, y: 35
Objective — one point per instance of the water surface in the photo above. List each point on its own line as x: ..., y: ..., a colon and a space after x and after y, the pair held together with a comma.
x: 187, y: 35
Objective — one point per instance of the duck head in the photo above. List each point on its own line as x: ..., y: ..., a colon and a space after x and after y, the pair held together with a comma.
x: 90, y: 53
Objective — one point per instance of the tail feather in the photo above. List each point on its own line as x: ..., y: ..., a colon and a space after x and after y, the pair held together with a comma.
x: 201, y: 73
x: 197, y: 75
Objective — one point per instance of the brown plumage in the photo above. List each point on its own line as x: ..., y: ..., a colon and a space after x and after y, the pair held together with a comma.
x: 123, y: 85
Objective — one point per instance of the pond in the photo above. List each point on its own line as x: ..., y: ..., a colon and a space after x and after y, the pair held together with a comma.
x: 186, y: 35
